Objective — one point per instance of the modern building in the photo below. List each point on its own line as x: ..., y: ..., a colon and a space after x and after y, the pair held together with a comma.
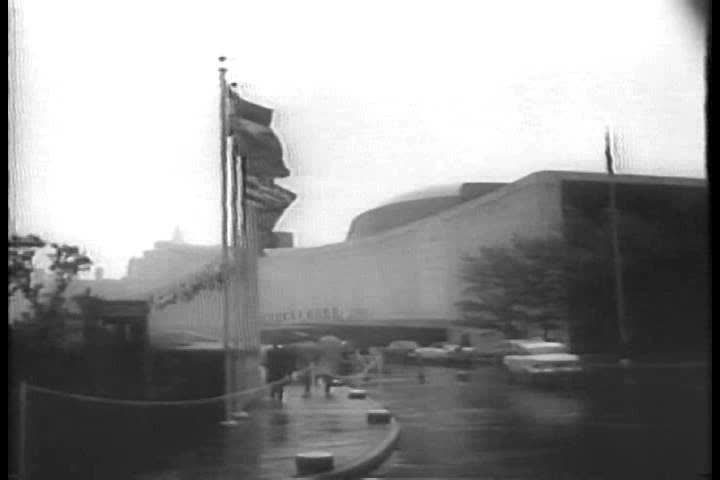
x: 398, y: 271
x: 400, y: 265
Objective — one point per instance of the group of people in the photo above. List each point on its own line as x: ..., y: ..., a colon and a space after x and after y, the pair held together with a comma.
x: 281, y: 362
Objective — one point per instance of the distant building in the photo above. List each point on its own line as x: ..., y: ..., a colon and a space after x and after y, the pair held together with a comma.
x: 178, y: 236
x: 99, y: 273
x: 168, y: 262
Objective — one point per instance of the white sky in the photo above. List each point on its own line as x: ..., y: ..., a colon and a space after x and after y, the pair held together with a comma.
x: 118, y: 136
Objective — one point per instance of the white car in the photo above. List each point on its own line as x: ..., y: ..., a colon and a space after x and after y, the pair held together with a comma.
x: 400, y: 349
x: 442, y: 351
x: 534, y: 347
x: 538, y: 360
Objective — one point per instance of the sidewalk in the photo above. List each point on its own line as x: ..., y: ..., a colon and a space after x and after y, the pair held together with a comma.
x: 264, y: 446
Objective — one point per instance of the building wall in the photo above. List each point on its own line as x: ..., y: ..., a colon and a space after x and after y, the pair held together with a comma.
x: 201, y: 319
x: 663, y: 239
x: 169, y: 261
x: 408, y: 275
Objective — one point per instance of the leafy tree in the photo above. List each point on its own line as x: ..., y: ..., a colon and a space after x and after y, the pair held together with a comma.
x: 525, y: 283
x: 45, y: 295
x: 529, y: 282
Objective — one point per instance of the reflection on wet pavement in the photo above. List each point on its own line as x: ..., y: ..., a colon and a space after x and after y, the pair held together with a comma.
x: 655, y: 427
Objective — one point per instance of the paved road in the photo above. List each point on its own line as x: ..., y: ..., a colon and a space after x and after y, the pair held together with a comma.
x: 653, y: 426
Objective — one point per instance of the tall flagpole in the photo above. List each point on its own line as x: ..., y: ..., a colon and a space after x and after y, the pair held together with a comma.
x: 617, y: 258
x: 249, y: 248
x: 252, y: 248
x: 228, y: 421
x: 238, y: 262
x: 238, y: 237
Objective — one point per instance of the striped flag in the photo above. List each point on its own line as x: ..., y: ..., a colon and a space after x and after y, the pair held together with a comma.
x: 253, y: 139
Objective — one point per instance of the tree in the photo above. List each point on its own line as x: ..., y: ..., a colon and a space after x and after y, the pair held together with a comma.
x: 44, y: 292
x: 531, y: 281
x: 523, y: 284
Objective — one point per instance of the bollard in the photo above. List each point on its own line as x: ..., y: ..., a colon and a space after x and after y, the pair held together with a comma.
x: 309, y: 463
x: 357, y: 394
x: 463, y: 376
x: 380, y: 416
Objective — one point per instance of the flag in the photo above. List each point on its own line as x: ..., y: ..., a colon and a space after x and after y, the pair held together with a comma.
x: 609, y: 153
x: 617, y: 151
x: 253, y: 139
x: 271, y: 196
x: 249, y: 111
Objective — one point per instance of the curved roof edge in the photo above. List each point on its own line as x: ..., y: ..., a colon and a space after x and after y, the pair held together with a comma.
x: 543, y: 176
x: 416, y: 207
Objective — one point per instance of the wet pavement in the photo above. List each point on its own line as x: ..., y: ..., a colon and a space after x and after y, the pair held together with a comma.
x: 653, y: 424
x: 75, y: 440
x: 264, y: 446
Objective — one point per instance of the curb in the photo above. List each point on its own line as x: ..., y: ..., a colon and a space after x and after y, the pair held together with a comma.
x: 367, y: 462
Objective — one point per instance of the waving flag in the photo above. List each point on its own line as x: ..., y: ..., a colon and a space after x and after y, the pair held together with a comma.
x: 609, y: 153
x: 617, y: 154
x: 250, y: 111
x: 253, y: 139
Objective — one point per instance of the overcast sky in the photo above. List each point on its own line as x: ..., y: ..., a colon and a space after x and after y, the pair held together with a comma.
x: 118, y: 137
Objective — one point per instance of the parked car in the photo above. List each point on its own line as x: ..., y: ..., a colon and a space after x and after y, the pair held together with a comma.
x: 399, y: 349
x: 498, y: 352
x: 443, y: 351
x: 436, y: 351
x: 540, y: 361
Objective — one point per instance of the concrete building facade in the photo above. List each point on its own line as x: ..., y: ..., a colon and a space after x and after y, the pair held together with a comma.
x: 400, y: 265
x: 406, y: 275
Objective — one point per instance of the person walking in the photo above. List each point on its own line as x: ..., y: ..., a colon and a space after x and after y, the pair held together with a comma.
x: 276, y: 366
x: 328, y: 365
x: 421, y: 370
x: 308, y: 378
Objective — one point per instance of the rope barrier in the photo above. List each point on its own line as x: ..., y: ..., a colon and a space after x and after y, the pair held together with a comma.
x: 182, y: 403
x: 155, y: 403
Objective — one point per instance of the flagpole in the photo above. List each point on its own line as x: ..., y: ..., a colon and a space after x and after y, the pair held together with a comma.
x: 251, y: 256
x: 228, y: 421
x: 249, y: 248
x: 238, y: 263
x: 253, y: 141
x: 617, y: 258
